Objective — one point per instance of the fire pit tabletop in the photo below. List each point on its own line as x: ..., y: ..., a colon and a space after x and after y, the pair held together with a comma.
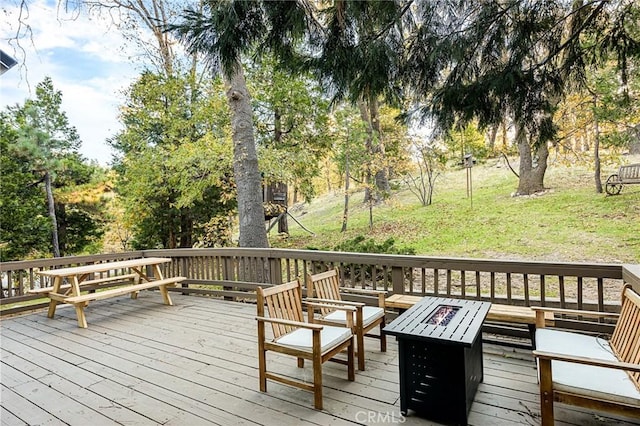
x: 465, y: 318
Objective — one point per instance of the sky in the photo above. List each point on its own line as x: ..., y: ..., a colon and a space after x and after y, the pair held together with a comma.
x: 87, y: 59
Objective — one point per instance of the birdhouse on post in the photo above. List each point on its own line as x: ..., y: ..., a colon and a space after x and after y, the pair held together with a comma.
x: 275, y: 200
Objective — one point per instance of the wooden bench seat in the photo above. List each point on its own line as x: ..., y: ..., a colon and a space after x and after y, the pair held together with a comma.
x: 589, y: 371
x: 121, y: 290
x: 114, y: 279
x: 505, y: 313
x: 502, y: 313
x: 627, y: 175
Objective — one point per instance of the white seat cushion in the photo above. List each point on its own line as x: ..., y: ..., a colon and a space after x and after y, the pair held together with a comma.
x: 600, y: 382
x: 302, y: 338
x: 369, y: 315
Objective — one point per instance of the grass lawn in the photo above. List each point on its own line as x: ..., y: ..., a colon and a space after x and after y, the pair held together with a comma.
x: 569, y: 222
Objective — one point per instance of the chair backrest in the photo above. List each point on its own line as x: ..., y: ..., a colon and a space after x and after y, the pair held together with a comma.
x: 625, y: 340
x: 284, y: 301
x: 325, y: 285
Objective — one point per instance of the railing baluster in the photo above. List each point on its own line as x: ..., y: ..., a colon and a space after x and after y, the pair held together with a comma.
x: 493, y: 287
x: 601, y: 292
x: 579, y: 293
x: 436, y: 277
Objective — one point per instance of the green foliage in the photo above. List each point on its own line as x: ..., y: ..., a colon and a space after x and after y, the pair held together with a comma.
x: 39, y: 156
x: 24, y: 225
x: 175, y: 155
x: 291, y: 125
x: 216, y: 232
x: 349, y: 135
x: 361, y: 244
x: 465, y: 140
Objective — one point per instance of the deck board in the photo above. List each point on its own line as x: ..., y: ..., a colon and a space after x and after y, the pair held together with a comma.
x: 141, y: 362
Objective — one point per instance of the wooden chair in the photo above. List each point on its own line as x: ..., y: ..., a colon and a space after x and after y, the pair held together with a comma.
x: 325, y: 288
x: 588, y: 371
x: 293, y: 336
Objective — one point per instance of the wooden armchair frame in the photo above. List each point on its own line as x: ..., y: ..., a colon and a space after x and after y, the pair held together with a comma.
x: 625, y: 344
x: 284, y: 305
x: 325, y: 288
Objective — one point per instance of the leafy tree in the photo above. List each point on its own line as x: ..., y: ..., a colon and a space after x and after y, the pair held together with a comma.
x: 136, y: 19
x: 421, y: 179
x: 39, y: 149
x: 24, y: 225
x: 601, y: 115
x: 45, y: 137
x: 223, y: 32
x: 291, y: 125
x: 358, y: 58
x: 513, y: 59
x: 348, y: 151
x: 174, y: 156
x: 463, y: 140
x: 82, y: 192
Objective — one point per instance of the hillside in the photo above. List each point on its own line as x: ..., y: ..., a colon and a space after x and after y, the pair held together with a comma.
x: 568, y: 222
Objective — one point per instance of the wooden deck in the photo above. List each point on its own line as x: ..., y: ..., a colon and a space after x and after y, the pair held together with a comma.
x: 143, y: 363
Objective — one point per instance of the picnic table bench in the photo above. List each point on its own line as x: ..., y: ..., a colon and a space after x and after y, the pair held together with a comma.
x: 497, y: 312
x: 79, y: 279
x: 627, y: 175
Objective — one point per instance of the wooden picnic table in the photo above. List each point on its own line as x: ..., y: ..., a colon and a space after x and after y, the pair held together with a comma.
x: 80, y: 276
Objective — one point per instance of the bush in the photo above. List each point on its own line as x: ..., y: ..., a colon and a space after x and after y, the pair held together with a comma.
x: 360, y: 245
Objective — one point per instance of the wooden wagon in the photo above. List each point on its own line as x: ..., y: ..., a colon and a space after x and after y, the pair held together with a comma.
x: 627, y: 175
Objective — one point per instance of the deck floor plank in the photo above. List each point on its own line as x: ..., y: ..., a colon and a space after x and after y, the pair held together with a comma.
x: 141, y: 362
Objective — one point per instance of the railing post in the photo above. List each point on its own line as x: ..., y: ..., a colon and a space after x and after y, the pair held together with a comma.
x: 228, y: 272
x: 397, y: 279
x: 275, y: 270
x: 183, y: 272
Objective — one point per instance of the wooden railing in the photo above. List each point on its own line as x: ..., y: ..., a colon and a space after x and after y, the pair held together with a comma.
x: 236, y: 272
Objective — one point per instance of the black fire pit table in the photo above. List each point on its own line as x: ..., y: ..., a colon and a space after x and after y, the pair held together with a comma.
x: 440, y: 357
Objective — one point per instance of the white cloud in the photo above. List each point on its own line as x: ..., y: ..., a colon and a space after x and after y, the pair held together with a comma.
x: 88, y: 60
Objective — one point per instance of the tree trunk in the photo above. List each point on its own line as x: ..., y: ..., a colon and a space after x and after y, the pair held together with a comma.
x: 634, y: 145
x: 186, y: 229
x: 52, y: 214
x: 345, y: 214
x: 491, y: 142
x: 245, y: 162
x: 505, y: 143
x: 368, y: 175
x: 378, y: 153
x: 61, y: 219
x: 531, y: 175
x: 596, y: 149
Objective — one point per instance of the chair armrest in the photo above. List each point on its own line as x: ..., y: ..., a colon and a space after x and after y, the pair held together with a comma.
x: 363, y: 291
x: 291, y: 323
x: 541, y: 310
x: 333, y: 302
x: 380, y: 294
x: 618, y: 365
x: 595, y: 314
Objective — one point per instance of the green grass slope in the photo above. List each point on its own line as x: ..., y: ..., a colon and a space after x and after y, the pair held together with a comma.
x: 569, y: 222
